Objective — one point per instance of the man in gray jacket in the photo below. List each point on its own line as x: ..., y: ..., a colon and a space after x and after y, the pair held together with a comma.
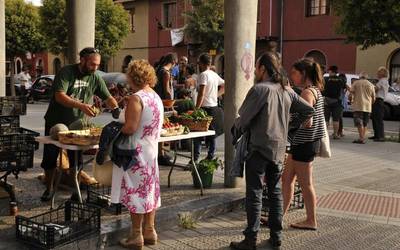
x: 265, y: 114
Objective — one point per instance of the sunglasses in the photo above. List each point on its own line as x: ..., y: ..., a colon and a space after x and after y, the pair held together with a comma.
x: 89, y: 51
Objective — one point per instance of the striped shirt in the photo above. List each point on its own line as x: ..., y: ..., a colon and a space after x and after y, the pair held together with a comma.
x: 317, y: 131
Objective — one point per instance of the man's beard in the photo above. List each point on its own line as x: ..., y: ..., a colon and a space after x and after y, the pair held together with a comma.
x: 87, y: 71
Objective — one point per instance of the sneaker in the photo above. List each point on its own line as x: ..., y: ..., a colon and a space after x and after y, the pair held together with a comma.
x: 371, y: 138
x: 274, y: 243
x: 245, y: 244
x: 379, y: 139
x: 46, y: 196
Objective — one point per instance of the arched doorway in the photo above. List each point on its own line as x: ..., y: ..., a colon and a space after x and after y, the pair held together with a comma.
x: 126, y: 62
x: 319, y: 57
x: 56, y: 65
x: 18, y: 65
x: 395, y: 65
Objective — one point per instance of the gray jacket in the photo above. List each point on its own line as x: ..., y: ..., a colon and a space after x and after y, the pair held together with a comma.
x: 265, y: 113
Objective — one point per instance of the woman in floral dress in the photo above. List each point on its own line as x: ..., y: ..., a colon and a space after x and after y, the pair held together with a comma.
x: 138, y: 188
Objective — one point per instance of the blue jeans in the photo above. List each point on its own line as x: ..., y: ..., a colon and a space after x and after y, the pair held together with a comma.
x: 256, y: 168
x: 210, y: 143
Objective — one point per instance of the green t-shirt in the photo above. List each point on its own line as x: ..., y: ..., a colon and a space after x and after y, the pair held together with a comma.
x: 78, y: 86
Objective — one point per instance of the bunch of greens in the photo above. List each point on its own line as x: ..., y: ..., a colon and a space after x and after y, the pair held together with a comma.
x: 209, y: 165
x: 198, y: 114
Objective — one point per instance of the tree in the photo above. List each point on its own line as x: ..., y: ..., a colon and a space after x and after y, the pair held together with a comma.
x: 112, y: 26
x: 369, y: 22
x: 54, y: 25
x: 205, y: 24
x: 22, y: 31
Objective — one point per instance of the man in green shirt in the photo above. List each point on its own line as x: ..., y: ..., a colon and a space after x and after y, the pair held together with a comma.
x: 73, y: 90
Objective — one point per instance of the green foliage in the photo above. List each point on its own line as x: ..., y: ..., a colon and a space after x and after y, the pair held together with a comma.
x: 22, y: 28
x: 197, y: 115
x: 186, y: 221
x: 54, y: 25
x: 112, y: 26
x: 369, y: 22
x: 205, y: 24
x: 209, y: 166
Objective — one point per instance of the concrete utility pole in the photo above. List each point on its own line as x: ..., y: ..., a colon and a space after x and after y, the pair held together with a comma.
x: 2, y: 49
x: 240, y: 44
x: 81, y: 26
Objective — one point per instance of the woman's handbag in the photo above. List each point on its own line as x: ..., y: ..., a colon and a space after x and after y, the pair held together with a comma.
x: 325, y: 146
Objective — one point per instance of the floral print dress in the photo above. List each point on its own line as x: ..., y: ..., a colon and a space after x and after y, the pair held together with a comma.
x: 138, y: 188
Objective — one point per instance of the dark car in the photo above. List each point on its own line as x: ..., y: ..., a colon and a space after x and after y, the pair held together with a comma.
x: 41, y: 88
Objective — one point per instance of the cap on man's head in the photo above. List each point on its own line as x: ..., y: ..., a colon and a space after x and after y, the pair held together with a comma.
x: 88, y: 51
x: 333, y: 68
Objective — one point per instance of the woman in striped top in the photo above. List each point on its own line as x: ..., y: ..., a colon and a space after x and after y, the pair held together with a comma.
x: 305, y: 143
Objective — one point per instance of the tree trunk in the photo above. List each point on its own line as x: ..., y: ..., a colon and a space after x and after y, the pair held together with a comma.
x: 12, y: 82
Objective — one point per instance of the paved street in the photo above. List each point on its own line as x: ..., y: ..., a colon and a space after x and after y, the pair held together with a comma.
x: 358, y: 199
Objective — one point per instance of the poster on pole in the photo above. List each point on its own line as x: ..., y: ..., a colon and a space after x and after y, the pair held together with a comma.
x: 177, y: 36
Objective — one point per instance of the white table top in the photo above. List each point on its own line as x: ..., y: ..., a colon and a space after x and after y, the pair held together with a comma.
x: 191, y: 135
x: 48, y: 140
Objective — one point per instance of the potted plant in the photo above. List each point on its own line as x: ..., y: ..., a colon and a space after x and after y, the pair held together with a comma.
x: 206, y: 168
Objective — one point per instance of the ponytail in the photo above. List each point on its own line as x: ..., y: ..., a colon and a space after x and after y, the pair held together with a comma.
x: 310, y: 70
x: 274, y: 69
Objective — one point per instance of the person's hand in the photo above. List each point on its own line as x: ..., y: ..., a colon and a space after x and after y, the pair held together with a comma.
x: 308, y: 123
x: 87, y: 109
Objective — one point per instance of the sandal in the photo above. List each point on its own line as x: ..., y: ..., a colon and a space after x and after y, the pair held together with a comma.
x: 302, y: 227
x: 359, y: 141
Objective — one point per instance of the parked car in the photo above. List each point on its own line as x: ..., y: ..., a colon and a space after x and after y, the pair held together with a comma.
x: 41, y: 88
x: 392, y: 100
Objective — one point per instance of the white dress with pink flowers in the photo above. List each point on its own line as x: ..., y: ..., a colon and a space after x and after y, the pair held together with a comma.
x: 138, y: 188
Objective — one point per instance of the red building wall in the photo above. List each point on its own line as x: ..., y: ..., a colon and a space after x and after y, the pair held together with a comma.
x: 160, y: 39
x: 264, y: 21
x: 303, y: 34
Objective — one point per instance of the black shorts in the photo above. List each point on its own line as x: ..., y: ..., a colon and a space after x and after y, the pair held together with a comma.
x: 360, y: 118
x: 305, y: 152
x: 334, y: 110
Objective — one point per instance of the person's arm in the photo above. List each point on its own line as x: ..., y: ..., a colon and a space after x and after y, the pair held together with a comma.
x: 133, y: 114
x: 65, y: 100
x: 167, y: 87
x: 202, y: 83
x: 252, y: 104
x: 221, y: 85
x: 200, y: 96
x: 221, y: 90
x: 103, y: 92
x: 301, y: 107
x: 308, y: 96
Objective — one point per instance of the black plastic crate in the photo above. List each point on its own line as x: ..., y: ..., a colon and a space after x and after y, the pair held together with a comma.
x: 9, y: 124
x: 100, y: 196
x: 13, y: 105
x: 21, y: 140
x: 19, y: 160
x: 297, y: 202
x: 66, y: 224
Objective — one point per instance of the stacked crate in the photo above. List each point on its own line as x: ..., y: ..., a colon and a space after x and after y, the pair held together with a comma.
x: 17, y: 145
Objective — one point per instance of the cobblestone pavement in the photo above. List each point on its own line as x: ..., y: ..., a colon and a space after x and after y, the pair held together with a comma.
x: 358, y: 206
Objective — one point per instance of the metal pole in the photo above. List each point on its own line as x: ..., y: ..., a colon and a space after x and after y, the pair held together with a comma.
x: 240, y: 45
x: 2, y: 49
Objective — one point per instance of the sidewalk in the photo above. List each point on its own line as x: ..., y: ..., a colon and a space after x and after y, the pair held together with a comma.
x: 358, y: 206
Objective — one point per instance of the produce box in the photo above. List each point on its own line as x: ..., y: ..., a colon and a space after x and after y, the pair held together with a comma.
x: 12, y: 105
x: 68, y: 223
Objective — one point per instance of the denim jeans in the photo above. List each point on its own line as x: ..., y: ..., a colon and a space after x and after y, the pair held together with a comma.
x: 210, y: 143
x: 256, y: 168
x: 378, y: 111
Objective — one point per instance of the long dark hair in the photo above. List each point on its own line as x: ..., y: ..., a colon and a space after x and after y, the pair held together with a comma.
x: 311, y: 70
x: 272, y: 65
x: 164, y: 60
